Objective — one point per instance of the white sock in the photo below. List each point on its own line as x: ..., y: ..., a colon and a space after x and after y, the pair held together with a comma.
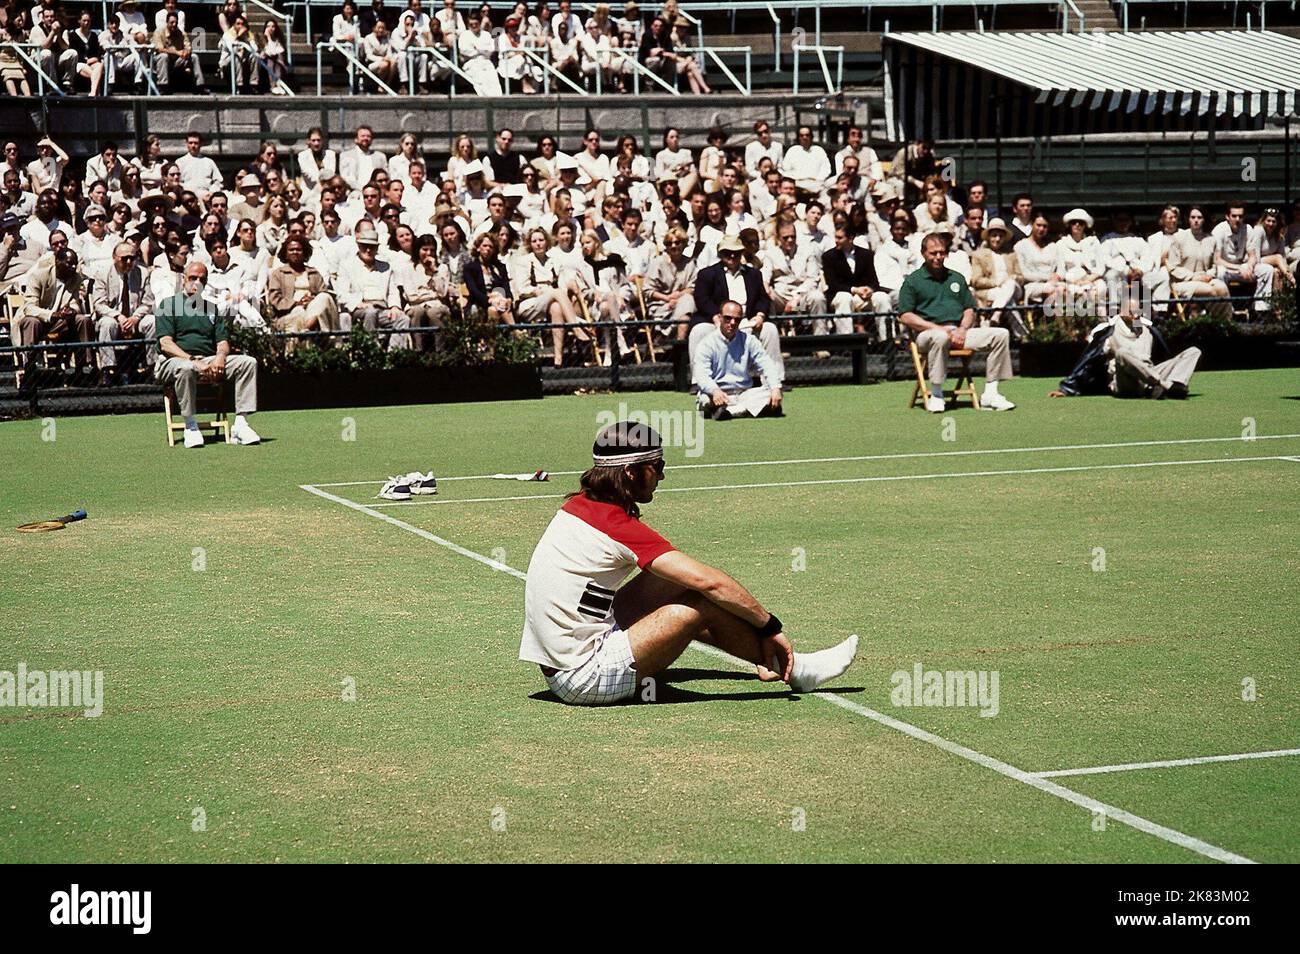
x: 191, y: 423
x: 991, y: 387
x: 813, y: 669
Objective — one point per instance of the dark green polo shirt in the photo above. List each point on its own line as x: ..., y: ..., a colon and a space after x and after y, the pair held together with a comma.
x: 941, y: 300
x: 193, y: 323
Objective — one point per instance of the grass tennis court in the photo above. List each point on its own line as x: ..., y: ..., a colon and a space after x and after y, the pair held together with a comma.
x: 1127, y: 569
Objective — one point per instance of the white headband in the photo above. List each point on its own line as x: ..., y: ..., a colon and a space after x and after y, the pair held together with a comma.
x: 636, y: 457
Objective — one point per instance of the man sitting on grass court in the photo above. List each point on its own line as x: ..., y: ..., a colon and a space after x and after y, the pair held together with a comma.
x: 937, y: 304
x: 595, y: 640
x: 724, y: 367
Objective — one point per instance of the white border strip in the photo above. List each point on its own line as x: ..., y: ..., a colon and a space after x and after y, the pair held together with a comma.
x: 906, y: 456
x: 1169, y: 763
x: 854, y: 480
x: 1043, y: 785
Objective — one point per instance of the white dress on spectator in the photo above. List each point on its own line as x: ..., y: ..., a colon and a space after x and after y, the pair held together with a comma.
x: 131, y: 22
x: 755, y: 152
x: 151, y: 173
x: 160, y: 19
x: 592, y: 168
x: 513, y: 64
x: 810, y: 168
x: 1080, y: 262
x: 476, y: 51
x: 707, y: 240
x: 667, y: 161
x: 742, y: 220
x: 345, y: 31
x: 451, y: 21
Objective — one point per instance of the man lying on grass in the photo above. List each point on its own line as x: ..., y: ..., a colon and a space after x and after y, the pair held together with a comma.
x: 594, y: 639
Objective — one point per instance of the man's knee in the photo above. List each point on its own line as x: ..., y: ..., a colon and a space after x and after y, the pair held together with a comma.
x: 842, y: 303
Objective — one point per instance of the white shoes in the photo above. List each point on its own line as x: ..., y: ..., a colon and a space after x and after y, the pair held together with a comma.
x: 193, y: 437
x: 242, y: 433
x: 422, y: 485
x: 935, y: 404
x: 995, y: 402
x: 397, y: 488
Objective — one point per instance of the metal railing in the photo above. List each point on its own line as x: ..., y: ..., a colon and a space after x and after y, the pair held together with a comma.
x: 832, y: 86
x: 34, y: 66
x: 259, y: 60
x: 712, y: 52
x: 286, y: 19
x: 143, y: 70
x: 1065, y: 16
x: 1187, y: 4
x: 354, y: 63
x: 439, y: 57
x: 639, y: 69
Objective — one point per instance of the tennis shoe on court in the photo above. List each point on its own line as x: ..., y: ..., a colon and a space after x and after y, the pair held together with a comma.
x: 995, y: 402
x: 242, y: 433
x: 422, y: 485
x: 193, y: 437
x: 396, y: 488
x: 935, y: 404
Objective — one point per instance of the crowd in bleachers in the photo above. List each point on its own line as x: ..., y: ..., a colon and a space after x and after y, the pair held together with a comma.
x: 807, y: 238
x: 82, y: 55
x: 500, y: 51
x: 503, y: 51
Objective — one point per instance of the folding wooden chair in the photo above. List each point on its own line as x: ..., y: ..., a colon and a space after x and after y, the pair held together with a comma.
x: 1178, y: 305
x: 212, y: 395
x: 638, y: 282
x: 594, y: 332
x: 963, y: 387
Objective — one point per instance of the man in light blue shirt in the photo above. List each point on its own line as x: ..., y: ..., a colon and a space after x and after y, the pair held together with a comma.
x: 724, y: 370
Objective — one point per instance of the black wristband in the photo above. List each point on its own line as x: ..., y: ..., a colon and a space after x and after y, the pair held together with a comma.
x: 771, y: 627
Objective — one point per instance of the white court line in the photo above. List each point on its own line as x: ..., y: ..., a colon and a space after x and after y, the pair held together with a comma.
x: 1043, y: 785
x: 911, y: 455
x: 1170, y: 763
x: 856, y: 480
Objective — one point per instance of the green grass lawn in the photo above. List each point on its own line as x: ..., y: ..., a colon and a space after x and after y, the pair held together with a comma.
x: 223, y: 687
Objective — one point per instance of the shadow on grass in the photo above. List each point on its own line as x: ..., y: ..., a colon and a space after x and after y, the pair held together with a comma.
x: 668, y: 694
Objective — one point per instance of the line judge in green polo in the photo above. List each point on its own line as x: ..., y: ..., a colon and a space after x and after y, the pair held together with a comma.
x: 194, y: 348
x: 937, y: 304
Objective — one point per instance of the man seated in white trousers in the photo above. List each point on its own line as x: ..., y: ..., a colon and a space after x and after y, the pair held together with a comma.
x: 1120, y: 358
x: 939, y: 308
x: 1236, y: 258
x: 723, y: 370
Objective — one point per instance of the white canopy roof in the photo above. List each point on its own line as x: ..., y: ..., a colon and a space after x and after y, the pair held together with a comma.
x: 1234, y: 72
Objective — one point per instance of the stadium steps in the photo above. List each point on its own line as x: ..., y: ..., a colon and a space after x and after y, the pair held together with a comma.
x: 1098, y: 15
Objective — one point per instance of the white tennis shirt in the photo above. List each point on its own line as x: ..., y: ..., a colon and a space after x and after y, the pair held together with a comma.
x: 585, y: 553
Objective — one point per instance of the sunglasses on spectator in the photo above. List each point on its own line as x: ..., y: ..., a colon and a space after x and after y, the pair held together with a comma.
x: 673, y: 244
x: 127, y: 258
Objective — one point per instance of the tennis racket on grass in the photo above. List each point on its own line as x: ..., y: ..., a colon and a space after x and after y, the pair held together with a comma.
x: 44, y: 526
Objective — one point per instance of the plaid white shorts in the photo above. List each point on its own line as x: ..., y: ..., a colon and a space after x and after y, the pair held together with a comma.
x: 608, y: 676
